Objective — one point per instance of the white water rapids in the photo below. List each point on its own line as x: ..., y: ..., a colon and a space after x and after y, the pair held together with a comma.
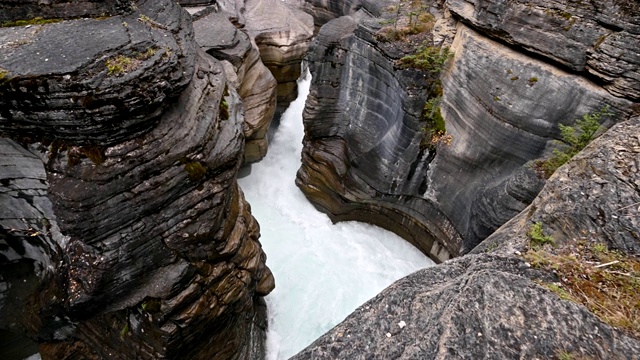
x: 323, y: 271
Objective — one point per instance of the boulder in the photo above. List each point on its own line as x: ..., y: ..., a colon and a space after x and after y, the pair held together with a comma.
x: 474, y: 307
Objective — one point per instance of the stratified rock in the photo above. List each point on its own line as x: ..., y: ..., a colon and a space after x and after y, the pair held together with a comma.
x: 489, y: 305
x: 30, y: 245
x: 595, y: 197
x: 12, y: 10
x: 363, y: 158
x: 359, y: 116
x: 158, y: 254
x: 106, y: 86
x: 502, y: 110
x: 599, y: 37
x: 325, y: 10
x: 162, y: 245
x: 475, y: 307
x: 253, y: 81
x: 282, y: 34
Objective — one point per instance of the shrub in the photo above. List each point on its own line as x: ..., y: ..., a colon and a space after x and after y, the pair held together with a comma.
x: 537, y: 236
x: 427, y: 58
x: 576, y: 138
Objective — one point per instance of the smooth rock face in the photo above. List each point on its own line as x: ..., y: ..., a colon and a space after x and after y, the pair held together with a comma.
x: 73, y: 96
x: 488, y: 306
x: 282, y: 34
x: 363, y: 123
x: 157, y: 254
x: 251, y: 78
x: 593, y: 197
x: 500, y: 120
x: 359, y: 116
x: 475, y: 307
x: 598, y: 37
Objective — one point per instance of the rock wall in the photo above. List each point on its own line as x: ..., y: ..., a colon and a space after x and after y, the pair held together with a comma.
x: 245, y: 71
x: 489, y: 304
x: 141, y: 137
x: 502, y: 103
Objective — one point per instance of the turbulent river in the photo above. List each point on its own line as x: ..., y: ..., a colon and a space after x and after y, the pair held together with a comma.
x: 323, y: 271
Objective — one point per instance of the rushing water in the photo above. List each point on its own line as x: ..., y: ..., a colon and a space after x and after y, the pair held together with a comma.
x: 322, y: 271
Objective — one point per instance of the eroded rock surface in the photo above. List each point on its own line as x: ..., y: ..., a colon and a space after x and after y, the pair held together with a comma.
x: 595, y: 197
x: 251, y: 78
x: 475, y: 307
x: 363, y: 157
x: 489, y: 306
x: 282, y: 34
x: 157, y: 254
x: 600, y: 38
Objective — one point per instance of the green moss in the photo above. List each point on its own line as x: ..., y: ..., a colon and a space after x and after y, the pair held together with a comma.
x: 514, y: 78
x: 496, y: 98
x: 576, y: 137
x: 151, y: 305
x: 435, y: 131
x: 537, y: 237
x: 562, y: 293
x: 123, y: 64
x: 428, y: 58
x: 533, y: 80
x: 195, y: 170
x: 124, y: 331
x: 34, y: 21
x: 4, y: 76
x: 119, y: 65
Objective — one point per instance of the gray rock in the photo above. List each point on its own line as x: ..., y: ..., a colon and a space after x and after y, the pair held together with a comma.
x: 11, y: 10
x: 600, y: 38
x: 57, y: 82
x: 282, y: 34
x: 594, y: 197
x: 475, y: 307
x: 363, y: 160
x: 253, y: 81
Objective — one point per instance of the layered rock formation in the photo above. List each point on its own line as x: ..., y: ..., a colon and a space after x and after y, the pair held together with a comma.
x: 491, y: 305
x: 157, y: 254
x: 282, y: 34
x: 248, y: 35
x: 501, y: 104
x: 244, y: 68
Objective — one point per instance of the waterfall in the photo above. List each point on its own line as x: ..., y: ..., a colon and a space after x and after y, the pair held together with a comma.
x: 323, y: 271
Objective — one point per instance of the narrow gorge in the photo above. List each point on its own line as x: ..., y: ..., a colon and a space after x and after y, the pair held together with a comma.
x: 128, y: 128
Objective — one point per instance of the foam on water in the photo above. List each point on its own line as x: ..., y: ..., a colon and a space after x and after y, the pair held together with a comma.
x: 323, y: 271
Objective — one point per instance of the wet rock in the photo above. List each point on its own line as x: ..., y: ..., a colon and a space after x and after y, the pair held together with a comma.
x: 149, y: 247
x: 363, y: 158
x: 253, y: 81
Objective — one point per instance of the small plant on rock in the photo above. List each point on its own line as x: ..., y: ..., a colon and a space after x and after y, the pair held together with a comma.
x: 576, y: 138
x: 536, y: 234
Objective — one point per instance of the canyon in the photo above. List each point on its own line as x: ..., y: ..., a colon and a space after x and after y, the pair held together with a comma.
x: 124, y: 124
